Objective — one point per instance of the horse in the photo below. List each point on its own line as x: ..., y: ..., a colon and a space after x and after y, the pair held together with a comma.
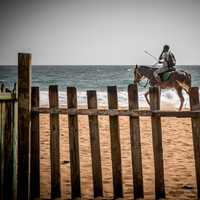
x: 177, y: 79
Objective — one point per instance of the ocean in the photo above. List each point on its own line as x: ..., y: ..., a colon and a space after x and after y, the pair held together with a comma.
x: 97, y: 77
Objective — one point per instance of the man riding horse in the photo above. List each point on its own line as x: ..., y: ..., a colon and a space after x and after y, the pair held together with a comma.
x: 166, y: 76
x: 168, y: 61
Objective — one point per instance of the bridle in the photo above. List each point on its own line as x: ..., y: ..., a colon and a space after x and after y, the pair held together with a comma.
x: 144, y: 86
x: 138, y: 81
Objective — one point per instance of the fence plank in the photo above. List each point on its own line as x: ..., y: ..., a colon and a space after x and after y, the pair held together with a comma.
x: 54, y: 143
x: 194, y: 100
x: 1, y: 156
x: 74, y: 143
x: 24, y: 108
x: 157, y: 143
x: 2, y: 123
x: 95, y: 145
x: 8, y: 153
x: 112, y: 112
x: 15, y: 142
x: 135, y: 143
x: 6, y: 96
x: 35, y: 146
x: 115, y: 143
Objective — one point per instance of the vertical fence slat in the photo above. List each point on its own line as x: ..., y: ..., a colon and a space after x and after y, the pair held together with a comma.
x: 157, y: 144
x: 95, y: 145
x: 54, y: 143
x: 35, y: 146
x: 194, y: 100
x: 74, y: 143
x: 135, y: 143
x: 8, y: 153
x: 1, y: 151
x: 24, y: 108
x: 115, y: 143
x: 2, y: 89
x: 15, y: 142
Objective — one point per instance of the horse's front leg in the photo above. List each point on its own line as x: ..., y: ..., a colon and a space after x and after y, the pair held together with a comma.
x: 146, y: 97
x: 180, y: 94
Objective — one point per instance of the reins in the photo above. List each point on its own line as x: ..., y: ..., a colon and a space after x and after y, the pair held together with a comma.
x: 144, y: 86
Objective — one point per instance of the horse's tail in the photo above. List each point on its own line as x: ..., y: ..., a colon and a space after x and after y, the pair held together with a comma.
x: 189, y: 79
x: 188, y: 82
x: 184, y: 81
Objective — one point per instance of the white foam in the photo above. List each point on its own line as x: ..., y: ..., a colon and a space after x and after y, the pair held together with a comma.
x: 168, y: 97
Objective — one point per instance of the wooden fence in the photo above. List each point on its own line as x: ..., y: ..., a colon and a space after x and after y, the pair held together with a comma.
x: 8, y: 143
x: 25, y: 176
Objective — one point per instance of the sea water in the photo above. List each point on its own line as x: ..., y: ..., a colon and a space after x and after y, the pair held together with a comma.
x: 97, y: 77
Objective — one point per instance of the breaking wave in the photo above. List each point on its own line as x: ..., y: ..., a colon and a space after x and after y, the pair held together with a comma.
x: 169, y: 98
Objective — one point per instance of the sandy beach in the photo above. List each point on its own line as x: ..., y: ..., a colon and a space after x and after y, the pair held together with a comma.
x: 180, y: 181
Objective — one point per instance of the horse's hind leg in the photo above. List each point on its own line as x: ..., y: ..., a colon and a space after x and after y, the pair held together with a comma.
x: 146, y: 97
x: 180, y: 94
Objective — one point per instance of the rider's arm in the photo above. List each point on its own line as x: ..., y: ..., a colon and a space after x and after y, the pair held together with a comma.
x: 160, y: 59
x: 163, y: 58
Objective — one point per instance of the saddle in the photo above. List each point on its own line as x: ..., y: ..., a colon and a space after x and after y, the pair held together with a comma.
x: 166, y: 75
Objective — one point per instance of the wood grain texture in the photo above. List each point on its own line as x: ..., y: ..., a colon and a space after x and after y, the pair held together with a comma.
x: 95, y: 145
x: 15, y: 145
x: 2, y: 132
x: 1, y: 151
x: 35, y: 146
x: 157, y: 144
x: 115, y: 144
x: 118, y: 112
x: 194, y: 100
x: 54, y: 144
x: 8, y: 153
x: 135, y: 143
x: 24, y: 125
x: 74, y: 144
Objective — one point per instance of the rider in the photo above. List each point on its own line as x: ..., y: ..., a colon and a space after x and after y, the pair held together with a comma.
x: 168, y: 62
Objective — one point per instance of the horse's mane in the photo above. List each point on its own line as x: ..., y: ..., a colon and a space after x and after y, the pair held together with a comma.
x: 147, y: 67
x: 146, y: 70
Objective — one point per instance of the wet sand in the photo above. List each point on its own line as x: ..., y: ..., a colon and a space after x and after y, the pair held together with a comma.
x: 180, y: 181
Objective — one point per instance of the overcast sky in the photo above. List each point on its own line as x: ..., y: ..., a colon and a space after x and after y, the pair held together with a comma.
x: 99, y: 31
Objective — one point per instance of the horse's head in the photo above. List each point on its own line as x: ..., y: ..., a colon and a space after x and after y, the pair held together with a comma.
x: 137, y: 75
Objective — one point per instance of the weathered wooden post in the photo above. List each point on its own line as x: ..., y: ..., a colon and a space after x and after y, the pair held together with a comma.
x: 2, y: 122
x: 15, y: 141
x: 8, y: 151
x: 24, y: 125
x: 135, y: 143
x: 95, y: 145
x: 1, y: 156
x: 194, y: 101
x: 157, y: 143
x: 115, y: 144
x: 74, y: 143
x: 35, y: 146
x: 54, y: 143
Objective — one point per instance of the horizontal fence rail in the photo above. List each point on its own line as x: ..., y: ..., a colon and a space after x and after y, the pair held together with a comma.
x: 119, y: 112
x: 7, y: 96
